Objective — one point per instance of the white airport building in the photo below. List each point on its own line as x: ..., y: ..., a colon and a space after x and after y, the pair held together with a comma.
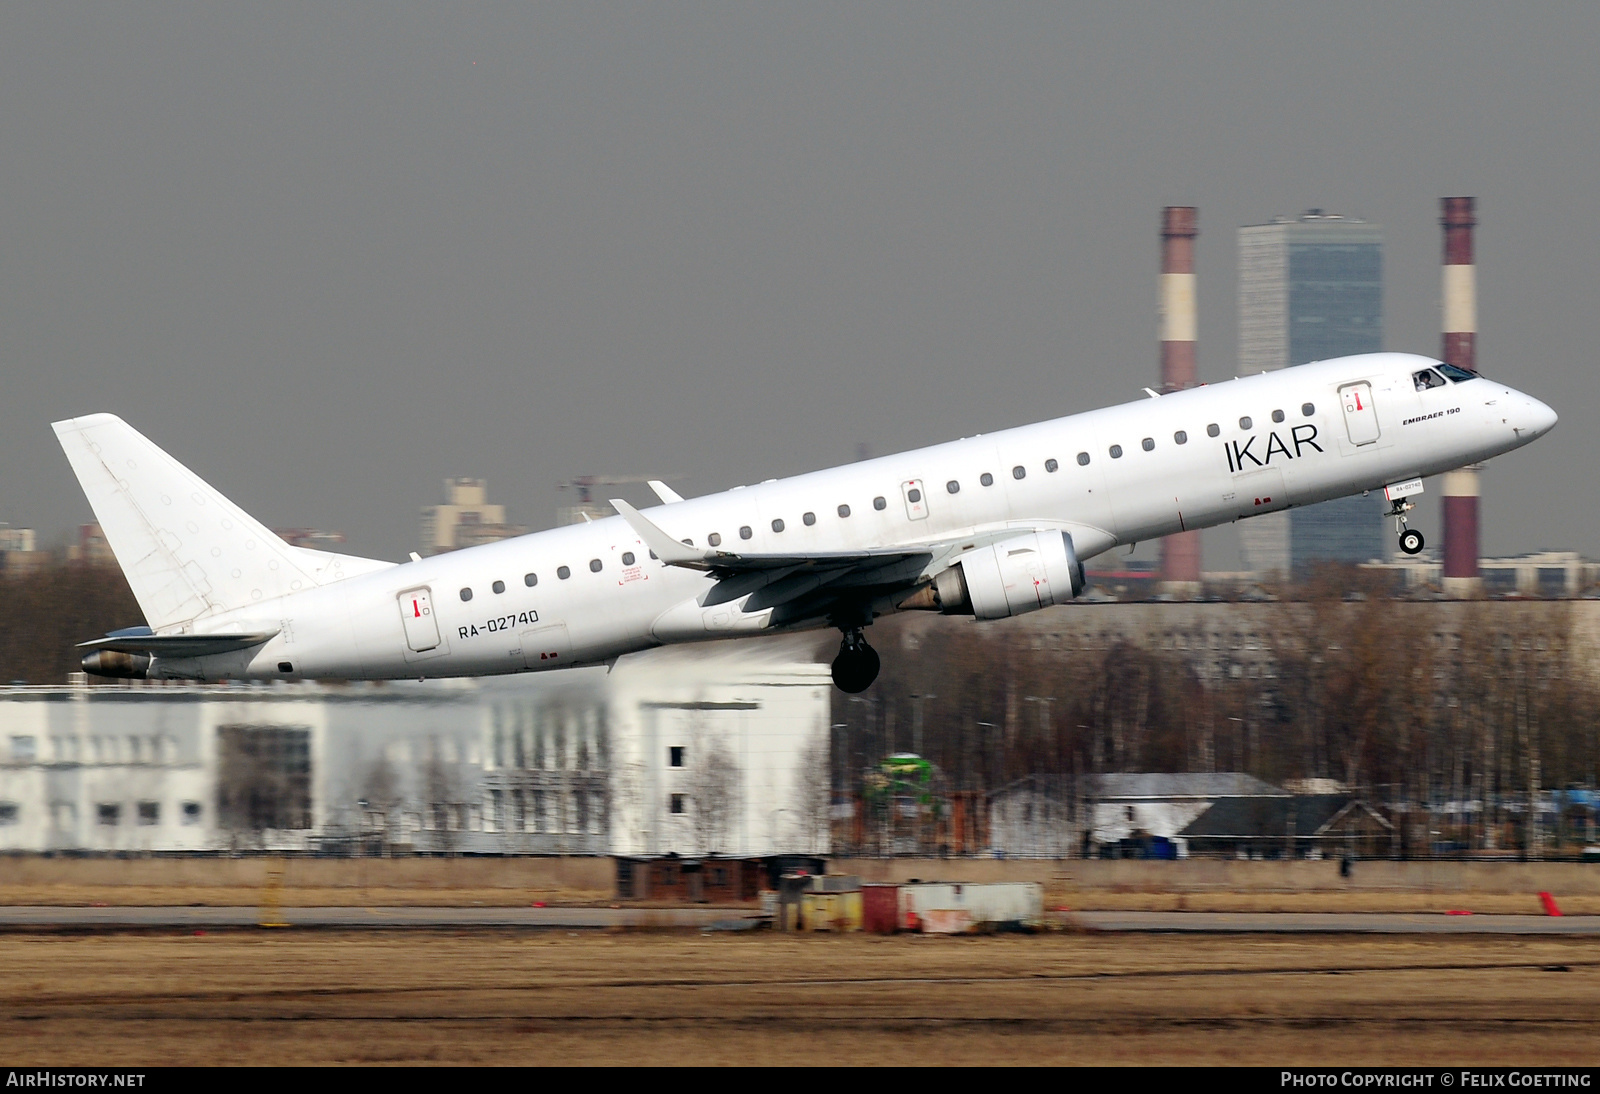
x: 715, y: 748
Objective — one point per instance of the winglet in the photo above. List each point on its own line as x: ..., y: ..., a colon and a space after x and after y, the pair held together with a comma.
x: 667, y: 549
x: 666, y: 493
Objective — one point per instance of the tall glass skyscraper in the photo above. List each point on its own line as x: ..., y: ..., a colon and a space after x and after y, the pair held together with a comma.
x: 1310, y: 289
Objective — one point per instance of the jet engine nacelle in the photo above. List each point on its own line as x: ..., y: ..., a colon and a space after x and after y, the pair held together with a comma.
x: 1022, y: 574
x: 118, y: 665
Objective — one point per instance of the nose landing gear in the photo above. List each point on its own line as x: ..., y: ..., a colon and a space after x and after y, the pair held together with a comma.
x: 1411, y: 541
x: 856, y: 666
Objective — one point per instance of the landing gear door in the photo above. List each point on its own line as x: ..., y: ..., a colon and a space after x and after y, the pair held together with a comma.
x: 916, y: 499
x: 422, y: 628
x: 1360, y: 417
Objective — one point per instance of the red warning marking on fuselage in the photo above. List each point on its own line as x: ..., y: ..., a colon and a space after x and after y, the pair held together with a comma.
x: 416, y: 610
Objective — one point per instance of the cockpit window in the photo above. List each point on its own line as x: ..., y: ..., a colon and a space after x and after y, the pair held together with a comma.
x: 1457, y: 374
x: 1426, y: 379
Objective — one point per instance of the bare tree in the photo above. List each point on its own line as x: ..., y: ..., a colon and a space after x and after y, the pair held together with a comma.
x: 812, y: 796
x: 714, y: 791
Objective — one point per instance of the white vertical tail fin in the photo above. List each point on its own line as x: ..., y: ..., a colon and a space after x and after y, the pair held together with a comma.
x: 187, y: 551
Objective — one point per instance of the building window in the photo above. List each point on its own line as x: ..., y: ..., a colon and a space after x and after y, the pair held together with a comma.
x: 8, y: 813
x: 466, y: 594
x: 1019, y: 472
x: 844, y: 510
x: 1116, y: 452
x: 1148, y: 444
x: 986, y: 479
x: 745, y: 532
x: 777, y: 524
x: 1308, y: 409
x: 1245, y: 422
x: 1180, y: 437
x: 149, y: 813
x: 809, y: 519
x: 1083, y: 459
x: 675, y: 804
x: 1051, y: 466
x: 23, y: 749
x: 715, y: 539
x: 563, y: 572
x: 595, y: 565
x: 880, y: 503
x: 191, y: 812
x: 498, y: 586
x: 109, y: 813
x: 627, y: 558
x: 1277, y: 415
x: 675, y: 756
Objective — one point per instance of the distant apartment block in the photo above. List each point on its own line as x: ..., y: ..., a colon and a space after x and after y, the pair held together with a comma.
x: 19, y: 553
x: 466, y: 519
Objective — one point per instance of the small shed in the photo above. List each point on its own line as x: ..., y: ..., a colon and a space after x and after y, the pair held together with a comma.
x: 1298, y: 826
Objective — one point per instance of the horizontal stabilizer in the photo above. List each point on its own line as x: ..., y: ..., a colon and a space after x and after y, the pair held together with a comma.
x: 178, y: 645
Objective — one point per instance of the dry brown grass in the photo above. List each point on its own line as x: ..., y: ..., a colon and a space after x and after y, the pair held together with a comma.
x: 555, y: 997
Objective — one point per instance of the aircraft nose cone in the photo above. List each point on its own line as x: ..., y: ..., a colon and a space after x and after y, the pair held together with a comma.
x: 1541, y: 418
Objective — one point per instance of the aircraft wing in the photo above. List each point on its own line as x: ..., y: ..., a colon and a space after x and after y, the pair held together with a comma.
x: 726, y: 564
x: 799, y: 587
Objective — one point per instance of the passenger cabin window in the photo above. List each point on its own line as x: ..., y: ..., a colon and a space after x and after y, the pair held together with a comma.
x: 715, y: 539
x: 1083, y: 459
x: 777, y: 525
x: 844, y: 510
x: 913, y: 495
x: 986, y: 478
x: 1427, y: 379
x: 880, y: 503
x: 1245, y: 423
x: 1019, y: 472
x: 745, y: 532
x: 1308, y: 409
x: 1116, y: 452
x: 952, y: 487
x: 627, y: 558
x: 563, y: 572
x: 1277, y: 415
x: 594, y: 565
x: 1213, y: 430
x: 530, y: 580
x: 1051, y: 466
x: 808, y: 519
x: 499, y: 586
x: 1180, y: 437
x: 1148, y: 444
x: 466, y: 594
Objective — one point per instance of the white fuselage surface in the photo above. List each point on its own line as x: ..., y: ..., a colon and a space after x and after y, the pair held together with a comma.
x: 832, y: 547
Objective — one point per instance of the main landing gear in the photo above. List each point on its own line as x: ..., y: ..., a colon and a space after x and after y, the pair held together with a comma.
x: 857, y: 665
x: 1410, y: 539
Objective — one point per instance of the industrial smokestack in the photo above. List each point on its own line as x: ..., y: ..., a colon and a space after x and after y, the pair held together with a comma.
x: 1461, y: 577
x: 1180, y: 553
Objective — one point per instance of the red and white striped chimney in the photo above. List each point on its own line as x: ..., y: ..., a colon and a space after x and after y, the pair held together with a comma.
x: 1180, y: 553
x: 1461, y: 577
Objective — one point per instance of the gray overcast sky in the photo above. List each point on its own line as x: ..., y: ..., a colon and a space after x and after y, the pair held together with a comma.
x: 329, y: 254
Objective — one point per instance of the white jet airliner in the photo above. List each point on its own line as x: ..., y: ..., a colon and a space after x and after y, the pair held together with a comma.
x: 990, y: 526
